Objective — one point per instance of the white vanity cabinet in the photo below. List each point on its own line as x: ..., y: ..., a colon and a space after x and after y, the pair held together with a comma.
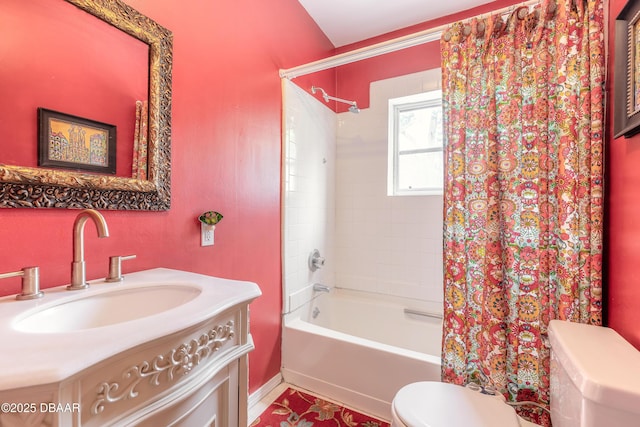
x: 196, y: 376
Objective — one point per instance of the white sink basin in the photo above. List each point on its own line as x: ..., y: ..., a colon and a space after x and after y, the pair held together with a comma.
x: 107, y: 308
x: 51, y: 339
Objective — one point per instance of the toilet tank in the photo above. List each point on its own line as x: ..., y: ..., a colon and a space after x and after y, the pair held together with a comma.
x: 595, y: 377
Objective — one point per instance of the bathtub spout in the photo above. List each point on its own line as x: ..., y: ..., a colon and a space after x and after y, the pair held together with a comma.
x: 319, y: 287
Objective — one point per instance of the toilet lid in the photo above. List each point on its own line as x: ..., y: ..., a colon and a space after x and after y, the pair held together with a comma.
x: 434, y: 404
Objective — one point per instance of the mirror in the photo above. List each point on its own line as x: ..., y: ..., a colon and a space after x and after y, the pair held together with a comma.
x: 30, y: 186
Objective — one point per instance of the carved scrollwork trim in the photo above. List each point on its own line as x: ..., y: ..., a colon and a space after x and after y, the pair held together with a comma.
x: 166, y: 367
x: 24, y: 175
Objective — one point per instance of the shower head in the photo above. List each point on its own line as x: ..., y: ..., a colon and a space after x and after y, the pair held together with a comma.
x: 353, y: 106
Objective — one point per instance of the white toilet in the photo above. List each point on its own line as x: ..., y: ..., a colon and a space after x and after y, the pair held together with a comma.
x: 595, y: 382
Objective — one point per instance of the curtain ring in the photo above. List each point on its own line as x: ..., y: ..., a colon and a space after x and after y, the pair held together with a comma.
x: 497, y: 27
x: 447, y: 36
x: 480, y: 27
x: 551, y: 9
x: 466, y: 30
x: 522, y: 12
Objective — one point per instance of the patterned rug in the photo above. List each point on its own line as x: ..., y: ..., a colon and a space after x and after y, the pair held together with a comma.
x: 297, y: 409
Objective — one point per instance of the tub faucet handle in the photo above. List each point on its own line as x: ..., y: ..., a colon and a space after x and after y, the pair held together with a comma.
x: 30, y: 282
x: 115, y: 268
x: 315, y: 260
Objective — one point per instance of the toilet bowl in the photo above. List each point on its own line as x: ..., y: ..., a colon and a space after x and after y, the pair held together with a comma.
x: 595, y: 381
x: 451, y: 405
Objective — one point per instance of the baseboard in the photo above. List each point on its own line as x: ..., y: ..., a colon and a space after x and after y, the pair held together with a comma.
x: 352, y: 399
x: 255, y: 399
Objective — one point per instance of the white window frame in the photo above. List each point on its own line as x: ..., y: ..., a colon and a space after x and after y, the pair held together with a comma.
x: 396, y: 106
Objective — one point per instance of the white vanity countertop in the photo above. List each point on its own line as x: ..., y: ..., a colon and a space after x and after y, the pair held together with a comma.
x: 33, y: 358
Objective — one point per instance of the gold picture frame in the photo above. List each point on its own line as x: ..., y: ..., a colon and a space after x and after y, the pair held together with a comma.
x: 627, y: 71
x: 75, y: 143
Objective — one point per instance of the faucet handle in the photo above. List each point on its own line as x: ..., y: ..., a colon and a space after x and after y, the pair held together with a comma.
x: 115, y: 267
x: 315, y: 261
x: 30, y: 282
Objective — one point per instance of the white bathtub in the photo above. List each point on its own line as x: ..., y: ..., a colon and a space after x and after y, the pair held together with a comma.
x: 360, y: 349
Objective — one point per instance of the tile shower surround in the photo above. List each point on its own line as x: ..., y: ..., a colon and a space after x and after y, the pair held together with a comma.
x: 336, y: 201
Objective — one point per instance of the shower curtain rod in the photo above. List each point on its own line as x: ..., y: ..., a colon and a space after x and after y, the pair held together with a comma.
x: 393, y: 45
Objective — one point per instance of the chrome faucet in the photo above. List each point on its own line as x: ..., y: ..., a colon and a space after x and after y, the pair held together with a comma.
x: 78, y: 271
x: 315, y: 260
x: 319, y: 287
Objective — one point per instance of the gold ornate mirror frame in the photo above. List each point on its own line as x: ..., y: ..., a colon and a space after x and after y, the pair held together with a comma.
x: 26, y: 187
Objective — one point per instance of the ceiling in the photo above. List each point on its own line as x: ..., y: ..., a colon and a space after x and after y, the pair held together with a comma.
x: 349, y: 21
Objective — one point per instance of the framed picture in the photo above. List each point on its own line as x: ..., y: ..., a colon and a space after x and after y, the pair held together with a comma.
x: 627, y: 71
x: 71, y: 142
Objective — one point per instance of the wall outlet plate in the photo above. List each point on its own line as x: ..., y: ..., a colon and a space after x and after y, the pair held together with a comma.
x: 206, y: 234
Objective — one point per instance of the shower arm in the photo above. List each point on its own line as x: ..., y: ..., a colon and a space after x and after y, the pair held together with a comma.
x: 344, y: 101
x: 328, y: 97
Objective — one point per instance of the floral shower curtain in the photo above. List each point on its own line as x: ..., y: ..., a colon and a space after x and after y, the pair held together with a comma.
x: 523, y: 107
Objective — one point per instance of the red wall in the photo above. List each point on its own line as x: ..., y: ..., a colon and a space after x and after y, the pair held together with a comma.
x: 622, y: 215
x: 226, y: 124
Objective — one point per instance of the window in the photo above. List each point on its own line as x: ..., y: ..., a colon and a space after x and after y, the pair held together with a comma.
x: 416, y: 164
